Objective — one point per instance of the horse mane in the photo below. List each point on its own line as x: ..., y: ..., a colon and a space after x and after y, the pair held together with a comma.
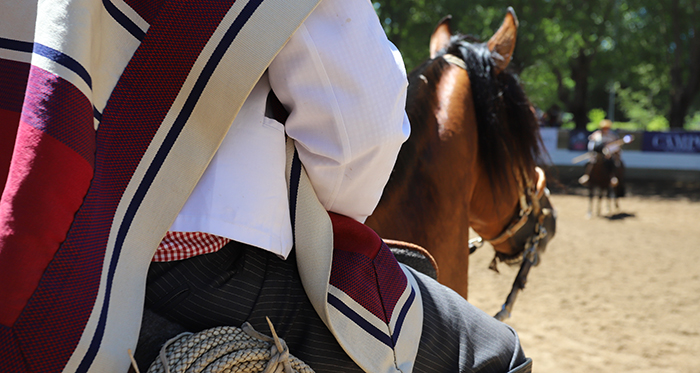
x: 507, y: 126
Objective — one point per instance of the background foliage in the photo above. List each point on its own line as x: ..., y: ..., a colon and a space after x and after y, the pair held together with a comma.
x: 637, y: 62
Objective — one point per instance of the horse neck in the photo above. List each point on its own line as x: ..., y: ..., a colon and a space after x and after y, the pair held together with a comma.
x: 426, y: 200
x: 427, y: 203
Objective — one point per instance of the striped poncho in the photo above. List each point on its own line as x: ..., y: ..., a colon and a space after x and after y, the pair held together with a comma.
x: 110, y: 111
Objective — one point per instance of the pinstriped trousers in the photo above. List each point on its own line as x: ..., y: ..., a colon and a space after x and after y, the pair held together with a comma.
x: 242, y: 283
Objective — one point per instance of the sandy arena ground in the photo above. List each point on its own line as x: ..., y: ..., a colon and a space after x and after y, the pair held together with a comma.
x: 612, y: 294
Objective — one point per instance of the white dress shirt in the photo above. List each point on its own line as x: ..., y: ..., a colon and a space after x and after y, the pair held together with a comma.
x: 344, y: 85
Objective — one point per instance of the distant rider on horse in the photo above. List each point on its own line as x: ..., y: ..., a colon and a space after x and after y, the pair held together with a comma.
x: 602, y: 142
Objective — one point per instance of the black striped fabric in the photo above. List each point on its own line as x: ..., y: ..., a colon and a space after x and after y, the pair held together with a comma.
x: 458, y: 337
x: 241, y: 283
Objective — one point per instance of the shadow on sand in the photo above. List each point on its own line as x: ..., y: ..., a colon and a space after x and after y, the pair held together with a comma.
x: 620, y: 216
x: 638, y: 188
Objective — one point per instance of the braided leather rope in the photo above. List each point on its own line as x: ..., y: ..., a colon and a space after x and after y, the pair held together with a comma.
x: 227, y: 349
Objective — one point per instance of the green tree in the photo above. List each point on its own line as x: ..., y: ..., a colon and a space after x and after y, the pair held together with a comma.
x: 573, y: 54
x: 409, y: 24
x: 558, y: 37
x: 685, y: 46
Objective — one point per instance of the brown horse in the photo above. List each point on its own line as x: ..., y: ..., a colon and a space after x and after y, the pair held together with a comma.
x: 607, y: 175
x: 470, y: 160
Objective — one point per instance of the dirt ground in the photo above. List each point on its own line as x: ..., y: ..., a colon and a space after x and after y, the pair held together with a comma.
x: 612, y: 294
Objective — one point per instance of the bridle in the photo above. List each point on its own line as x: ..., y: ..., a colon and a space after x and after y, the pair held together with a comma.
x: 527, y: 225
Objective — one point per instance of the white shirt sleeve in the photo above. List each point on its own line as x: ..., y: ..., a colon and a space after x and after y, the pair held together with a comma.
x: 344, y: 85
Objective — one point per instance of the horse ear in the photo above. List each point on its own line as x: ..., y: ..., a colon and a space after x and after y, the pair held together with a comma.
x: 502, y: 43
x: 441, y: 36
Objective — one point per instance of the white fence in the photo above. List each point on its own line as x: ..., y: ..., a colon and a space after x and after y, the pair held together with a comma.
x: 556, y: 144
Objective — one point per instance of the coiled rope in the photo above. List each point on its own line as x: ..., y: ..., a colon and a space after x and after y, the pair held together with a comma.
x: 227, y: 349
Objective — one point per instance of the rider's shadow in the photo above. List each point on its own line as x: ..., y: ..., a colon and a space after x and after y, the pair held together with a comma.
x: 620, y: 216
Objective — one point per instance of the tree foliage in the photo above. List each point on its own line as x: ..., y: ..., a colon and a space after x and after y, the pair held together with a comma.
x: 574, y: 54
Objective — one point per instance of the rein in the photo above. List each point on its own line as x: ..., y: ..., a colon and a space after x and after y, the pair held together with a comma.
x: 530, y: 209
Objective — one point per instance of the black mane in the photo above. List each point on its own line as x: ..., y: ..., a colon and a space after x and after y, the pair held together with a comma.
x: 507, y: 127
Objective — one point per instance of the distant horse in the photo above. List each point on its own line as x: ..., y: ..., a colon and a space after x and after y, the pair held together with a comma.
x: 607, y: 175
x: 470, y: 160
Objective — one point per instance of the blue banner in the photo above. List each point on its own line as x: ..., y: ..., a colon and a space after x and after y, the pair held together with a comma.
x: 675, y: 142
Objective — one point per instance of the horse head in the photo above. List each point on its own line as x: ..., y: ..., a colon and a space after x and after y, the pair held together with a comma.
x: 471, y: 158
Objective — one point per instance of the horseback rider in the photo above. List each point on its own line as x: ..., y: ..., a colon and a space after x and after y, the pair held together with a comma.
x: 602, y: 142
x: 231, y: 253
